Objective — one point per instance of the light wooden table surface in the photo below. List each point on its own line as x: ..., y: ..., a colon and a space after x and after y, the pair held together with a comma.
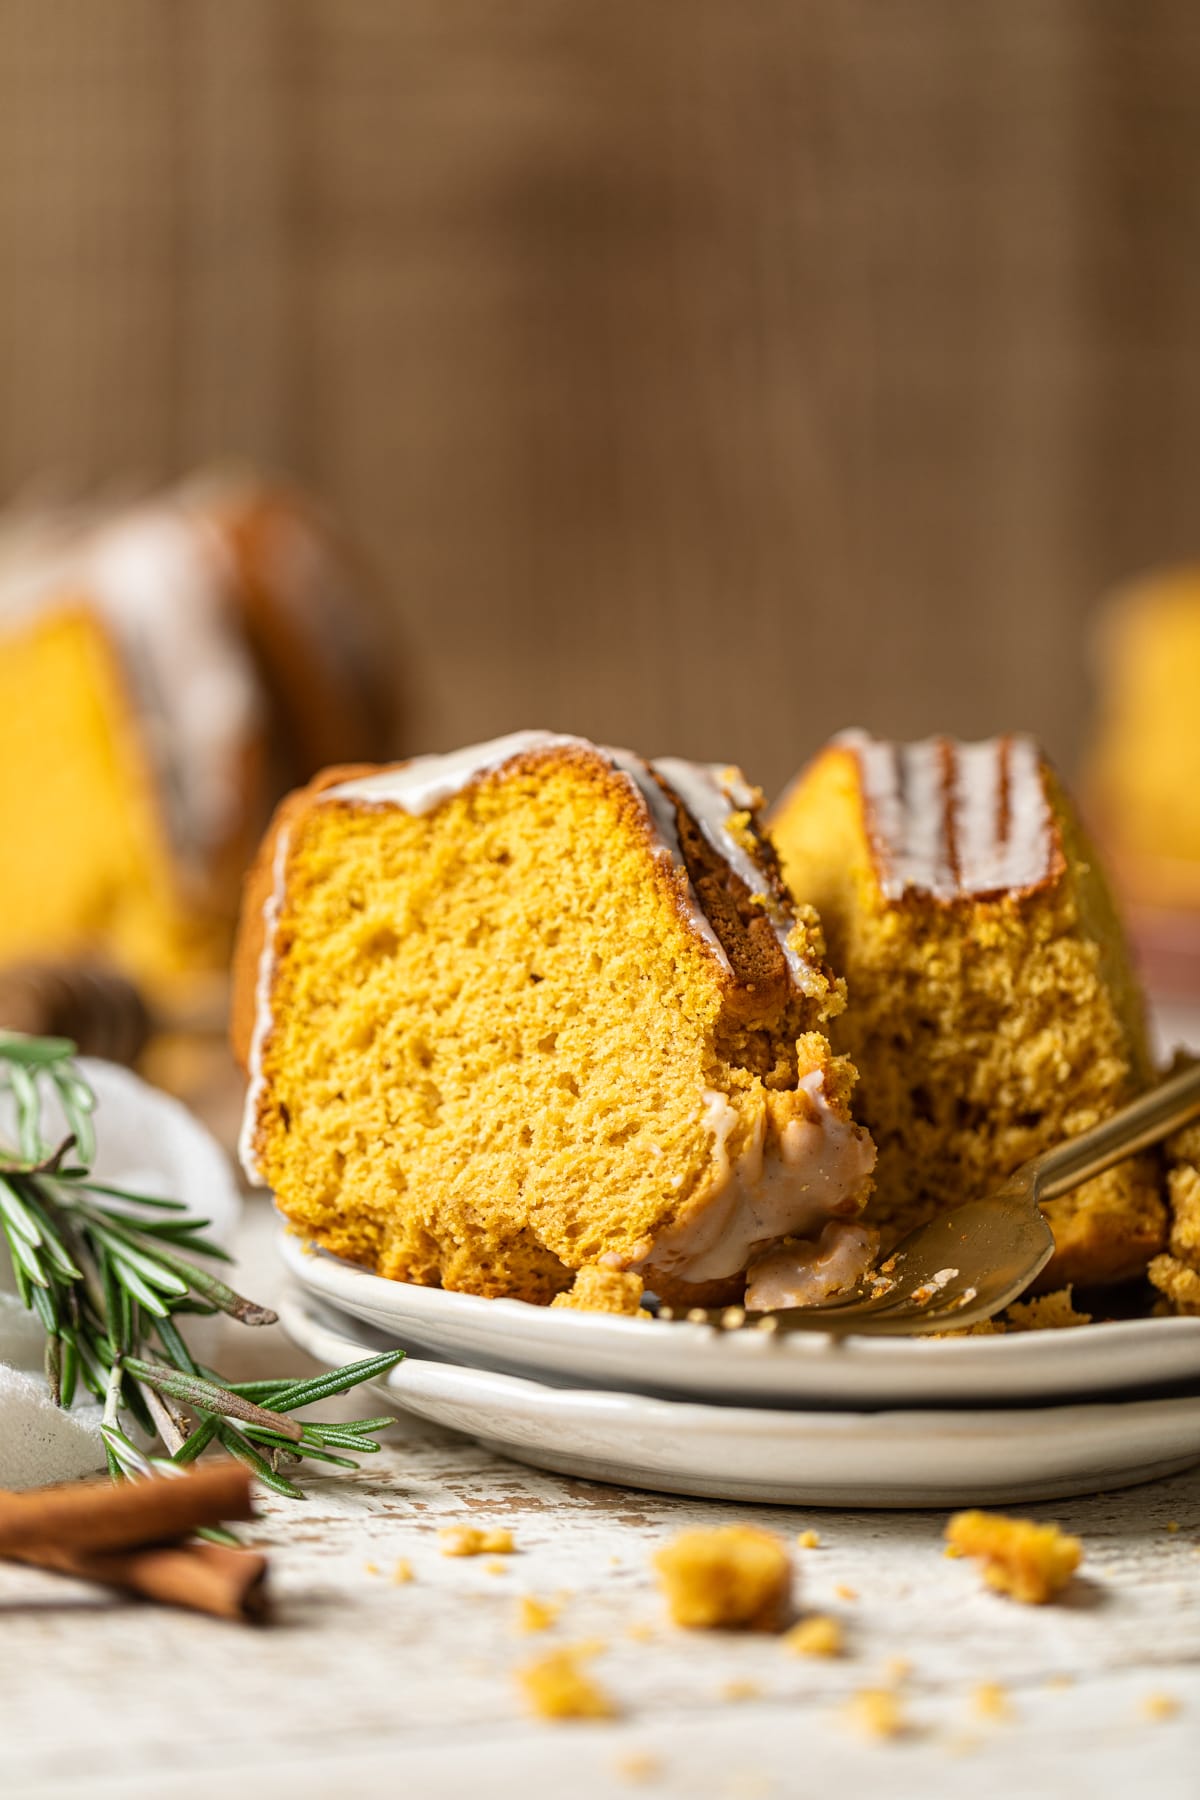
x: 362, y: 1685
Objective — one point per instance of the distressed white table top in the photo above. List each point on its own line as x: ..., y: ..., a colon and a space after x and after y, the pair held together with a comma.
x: 362, y: 1685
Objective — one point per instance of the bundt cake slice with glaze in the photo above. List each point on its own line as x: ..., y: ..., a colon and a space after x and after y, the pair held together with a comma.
x: 993, y: 1011
x: 539, y: 1007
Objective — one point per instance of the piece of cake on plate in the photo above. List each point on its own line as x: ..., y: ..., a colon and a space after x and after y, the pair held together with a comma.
x: 539, y: 1007
x: 993, y: 1011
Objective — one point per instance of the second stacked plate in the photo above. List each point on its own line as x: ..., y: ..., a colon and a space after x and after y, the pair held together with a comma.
x: 800, y: 1419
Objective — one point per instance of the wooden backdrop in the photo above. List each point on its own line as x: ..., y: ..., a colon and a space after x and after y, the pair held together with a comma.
x: 703, y: 374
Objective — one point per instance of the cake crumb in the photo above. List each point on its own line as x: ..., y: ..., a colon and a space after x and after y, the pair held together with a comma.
x: 990, y: 1701
x: 640, y: 1632
x: 495, y: 1567
x: 536, y: 1615
x: 639, y: 1765
x: 1029, y: 1562
x: 557, y: 1687
x: 808, y: 1540
x: 897, y: 1669
x: 1157, y: 1707
x: 953, y: 1551
x: 402, y: 1571
x: 740, y: 1689
x: 472, y: 1540
x: 1172, y: 1525
x: 876, y: 1713
x: 597, y: 1289
x: 844, y: 1592
x: 733, y: 1576
x: 1049, y: 1312
x: 1059, y: 1681
x: 371, y: 1568
x: 819, y: 1635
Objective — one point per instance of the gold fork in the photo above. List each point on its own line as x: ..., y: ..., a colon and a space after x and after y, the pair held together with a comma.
x: 972, y: 1262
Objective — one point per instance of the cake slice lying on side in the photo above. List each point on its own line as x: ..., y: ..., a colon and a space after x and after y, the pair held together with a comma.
x: 993, y: 1011
x: 538, y: 1007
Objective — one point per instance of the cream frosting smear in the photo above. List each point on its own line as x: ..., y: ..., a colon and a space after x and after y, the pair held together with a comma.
x: 782, y: 1186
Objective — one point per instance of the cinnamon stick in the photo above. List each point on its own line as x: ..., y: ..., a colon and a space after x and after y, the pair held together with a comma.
x: 207, y: 1578
x: 102, y: 1516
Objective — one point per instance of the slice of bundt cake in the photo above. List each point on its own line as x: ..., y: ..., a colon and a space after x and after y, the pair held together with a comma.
x: 539, y: 1007
x: 168, y: 669
x: 993, y: 1011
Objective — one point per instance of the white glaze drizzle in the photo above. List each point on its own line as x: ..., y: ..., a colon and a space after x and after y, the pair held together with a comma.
x: 263, y: 981
x: 713, y: 793
x: 952, y: 819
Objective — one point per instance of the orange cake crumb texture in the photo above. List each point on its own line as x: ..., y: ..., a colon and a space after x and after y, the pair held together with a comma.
x: 557, y: 1686
x: 1176, y: 1273
x: 1030, y: 1562
x: 732, y: 1577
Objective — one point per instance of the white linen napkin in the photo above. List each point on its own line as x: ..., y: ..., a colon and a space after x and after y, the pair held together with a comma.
x: 151, y: 1144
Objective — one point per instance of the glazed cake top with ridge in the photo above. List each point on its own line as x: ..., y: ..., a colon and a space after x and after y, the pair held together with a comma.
x: 714, y: 794
x: 957, y: 821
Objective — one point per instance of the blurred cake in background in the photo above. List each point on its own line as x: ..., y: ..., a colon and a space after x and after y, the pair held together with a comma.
x: 167, y: 668
x: 1142, y: 774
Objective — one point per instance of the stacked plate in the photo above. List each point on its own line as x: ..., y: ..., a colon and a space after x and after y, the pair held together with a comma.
x: 801, y: 1419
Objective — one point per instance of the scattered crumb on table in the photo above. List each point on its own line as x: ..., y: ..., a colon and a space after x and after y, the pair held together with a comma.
x: 534, y: 1614
x: 844, y: 1592
x: 819, y: 1635
x: 475, y: 1540
x: 876, y: 1713
x: 1030, y: 1562
x: 639, y: 1765
x: 735, y: 1575
x: 1157, y: 1707
x: 808, y: 1540
x: 402, y: 1571
x: 991, y: 1701
x: 556, y: 1686
x: 739, y: 1688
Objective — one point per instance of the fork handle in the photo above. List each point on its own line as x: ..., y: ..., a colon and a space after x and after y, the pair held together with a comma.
x: 1153, y: 1116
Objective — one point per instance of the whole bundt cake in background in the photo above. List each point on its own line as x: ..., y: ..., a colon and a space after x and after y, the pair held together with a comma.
x: 167, y: 669
x: 539, y: 1010
x: 992, y: 1007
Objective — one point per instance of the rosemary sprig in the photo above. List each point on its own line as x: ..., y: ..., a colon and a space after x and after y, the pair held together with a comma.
x: 110, y: 1273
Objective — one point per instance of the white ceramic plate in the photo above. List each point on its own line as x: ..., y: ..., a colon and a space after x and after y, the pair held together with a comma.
x: 885, y: 1459
x: 652, y: 1357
